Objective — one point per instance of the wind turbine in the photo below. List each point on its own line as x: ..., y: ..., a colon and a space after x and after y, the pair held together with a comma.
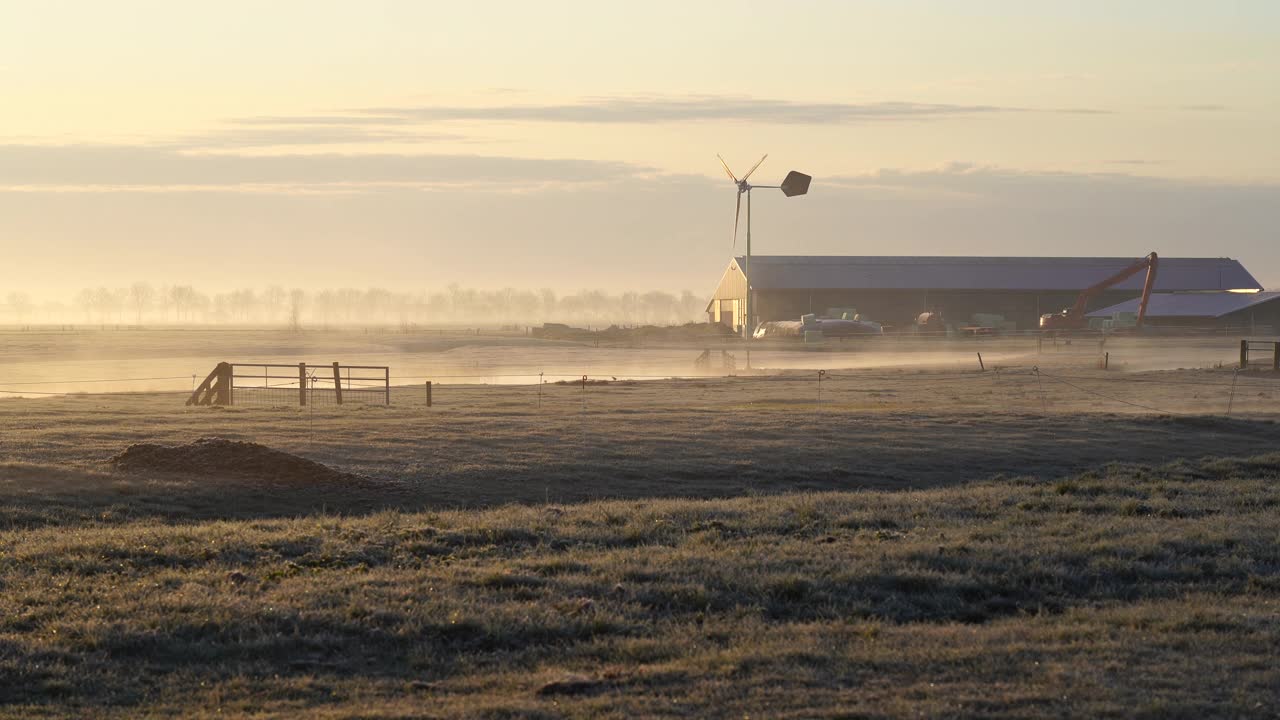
x: 795, y: 183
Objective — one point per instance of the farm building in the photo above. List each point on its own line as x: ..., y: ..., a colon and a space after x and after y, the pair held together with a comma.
x: 1253, y: 313
x: 894, y: 290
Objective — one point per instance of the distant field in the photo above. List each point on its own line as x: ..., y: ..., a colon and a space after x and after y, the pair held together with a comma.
x: 917, y: 539
x: 482, y: 445
x: 165, y: 359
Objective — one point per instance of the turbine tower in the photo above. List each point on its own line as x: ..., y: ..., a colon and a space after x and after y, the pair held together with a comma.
x: 795, y: 183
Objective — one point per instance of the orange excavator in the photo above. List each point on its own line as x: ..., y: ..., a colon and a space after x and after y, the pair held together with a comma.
x: 1074, y: 318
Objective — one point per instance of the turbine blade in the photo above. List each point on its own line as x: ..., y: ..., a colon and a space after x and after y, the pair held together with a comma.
x: 753, y: 167
x: 736, y: 211
x: 727, y: 171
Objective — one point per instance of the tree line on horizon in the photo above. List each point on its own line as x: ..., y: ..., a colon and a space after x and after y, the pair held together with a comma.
x: 143, y: 303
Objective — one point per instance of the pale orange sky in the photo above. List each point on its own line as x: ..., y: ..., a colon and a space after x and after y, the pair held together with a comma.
x: 572, y: 144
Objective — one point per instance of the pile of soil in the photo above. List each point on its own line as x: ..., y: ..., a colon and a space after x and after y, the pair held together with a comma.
x: 221, y: 457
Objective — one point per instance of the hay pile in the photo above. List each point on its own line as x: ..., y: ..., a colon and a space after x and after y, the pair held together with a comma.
x: 221, y: 457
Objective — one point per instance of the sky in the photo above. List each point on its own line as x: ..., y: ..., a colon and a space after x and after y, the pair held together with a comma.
x: 572, y: 145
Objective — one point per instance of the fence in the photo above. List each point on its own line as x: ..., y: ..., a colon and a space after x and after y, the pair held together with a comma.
x: 1269, y: 350
x: 1023, y: 389
x: 269, y: 384
x: 978, y: 389
x: 1063, y: 381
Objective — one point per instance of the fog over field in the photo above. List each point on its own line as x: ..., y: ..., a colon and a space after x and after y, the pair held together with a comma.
x: 142, y: 303
x: 394, y: 359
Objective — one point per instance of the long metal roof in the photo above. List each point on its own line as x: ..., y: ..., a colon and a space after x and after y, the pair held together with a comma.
x: 1204, y: 305
x: 877, y: 272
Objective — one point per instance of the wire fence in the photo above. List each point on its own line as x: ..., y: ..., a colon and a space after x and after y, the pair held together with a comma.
x: 302, y: 384
x: 1022, y: 388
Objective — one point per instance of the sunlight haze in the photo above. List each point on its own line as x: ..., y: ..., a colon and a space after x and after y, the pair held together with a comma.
x: 572, y: 145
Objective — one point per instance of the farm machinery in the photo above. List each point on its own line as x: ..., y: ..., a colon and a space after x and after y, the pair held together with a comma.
x: 1073, y: 318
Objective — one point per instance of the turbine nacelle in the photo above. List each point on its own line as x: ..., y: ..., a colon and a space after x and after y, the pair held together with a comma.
x: 796, y: 183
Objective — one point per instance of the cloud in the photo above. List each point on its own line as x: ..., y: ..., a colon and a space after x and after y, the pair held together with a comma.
x: 342, y: 120
x: 606, y: 225
x: 665, y: 109
x: 1133, y: 162
x: 692, y: 109
x: 268, y: 136
x: 128, y: 167
x: 419, y: 124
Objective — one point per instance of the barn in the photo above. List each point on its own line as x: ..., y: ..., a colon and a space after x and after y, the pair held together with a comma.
x: 894, y: 290
x: 1245, y: 313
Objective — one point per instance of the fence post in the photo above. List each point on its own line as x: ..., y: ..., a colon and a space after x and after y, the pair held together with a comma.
x: 302, y: 384
x: 226, y: 375
x: 386, y: 379
x: 337, y: 384
x: 1244, y: 354
x: 1275, y: 357
x: 428, y: 393
x: 981, y: 366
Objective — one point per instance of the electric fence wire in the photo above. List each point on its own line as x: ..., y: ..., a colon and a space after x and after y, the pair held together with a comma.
x: 791, y: 375
x: 1058, y: 379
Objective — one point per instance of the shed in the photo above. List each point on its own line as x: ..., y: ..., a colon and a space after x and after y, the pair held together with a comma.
x: 894, y: 289
x: 1255, y: 312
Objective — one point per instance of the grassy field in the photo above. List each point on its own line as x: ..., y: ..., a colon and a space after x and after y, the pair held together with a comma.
x: 936, y: 542
x: 1130, y: 591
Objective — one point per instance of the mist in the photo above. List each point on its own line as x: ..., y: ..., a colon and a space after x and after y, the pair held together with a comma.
x: 145, y: 303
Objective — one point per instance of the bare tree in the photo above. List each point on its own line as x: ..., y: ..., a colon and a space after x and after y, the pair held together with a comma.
x: 141, y: 295
x: 19, y: 305
x: 85, y: 301
x: 273, y: 301
x: 296, y: 298
x: 243, y: 303
x: 177, y: 298
x: 185, y: 304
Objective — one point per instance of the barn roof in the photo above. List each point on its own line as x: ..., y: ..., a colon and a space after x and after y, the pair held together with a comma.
x: 876, y: 272
x: 1202, y: 305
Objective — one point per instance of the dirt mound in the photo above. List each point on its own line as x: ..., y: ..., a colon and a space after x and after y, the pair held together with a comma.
x: 218, y: 456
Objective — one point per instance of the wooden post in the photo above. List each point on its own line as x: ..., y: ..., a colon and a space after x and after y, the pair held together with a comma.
x: 1275, y: 357
x: 215, y: 389
x: 337, y: 384
x: 302, y: 384
x: 386, y: 379
x: 981, y: 367
x: 428, y: 393
x: 1244, y: 354
x: 225, y: 377
x: 1106, y: 361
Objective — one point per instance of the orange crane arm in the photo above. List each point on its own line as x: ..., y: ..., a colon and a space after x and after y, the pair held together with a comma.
x: 1149, y: 263
x: 1152, y: 265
